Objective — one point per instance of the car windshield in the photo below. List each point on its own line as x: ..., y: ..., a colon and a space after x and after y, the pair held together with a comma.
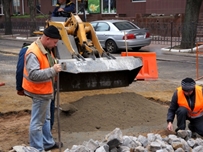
x: 125, y: 26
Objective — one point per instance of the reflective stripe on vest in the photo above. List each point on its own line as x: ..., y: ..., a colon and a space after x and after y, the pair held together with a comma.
x: 40, y: 87
x: 198, y: 107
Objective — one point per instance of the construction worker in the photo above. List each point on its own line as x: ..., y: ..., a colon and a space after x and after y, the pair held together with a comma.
x: 186, y: 104
x: 19, y: 80
x: 39, y: 74
x: 63, y: 8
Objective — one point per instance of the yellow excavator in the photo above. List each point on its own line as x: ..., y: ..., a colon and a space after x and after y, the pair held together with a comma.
x: 86, y: 65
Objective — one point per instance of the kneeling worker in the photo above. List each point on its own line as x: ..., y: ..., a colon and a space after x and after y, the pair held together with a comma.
x: 187, y: 104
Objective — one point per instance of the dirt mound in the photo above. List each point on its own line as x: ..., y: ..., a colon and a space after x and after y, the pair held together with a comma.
x: 130, y: 112
x: 108, y: 111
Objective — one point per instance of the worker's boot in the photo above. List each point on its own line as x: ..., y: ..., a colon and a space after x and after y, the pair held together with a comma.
x: 192, y: 129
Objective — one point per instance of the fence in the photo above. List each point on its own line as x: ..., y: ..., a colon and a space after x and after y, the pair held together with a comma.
x: 162, y: 33
x: 21, y: 28
x: 171, y: 33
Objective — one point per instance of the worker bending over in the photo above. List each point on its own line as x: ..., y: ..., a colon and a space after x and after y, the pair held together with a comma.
x: 187, y: 104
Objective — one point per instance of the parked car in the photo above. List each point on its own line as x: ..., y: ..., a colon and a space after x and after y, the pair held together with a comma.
x: 119, y: 34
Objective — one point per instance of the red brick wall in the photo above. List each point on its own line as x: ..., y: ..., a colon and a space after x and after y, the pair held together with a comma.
x: 126, y: 9
x: 130, y: 8
x: 46, y: 6
x: 165, y: 6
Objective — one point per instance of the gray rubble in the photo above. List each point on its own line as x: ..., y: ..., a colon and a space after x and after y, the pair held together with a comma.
x: 116, y: 142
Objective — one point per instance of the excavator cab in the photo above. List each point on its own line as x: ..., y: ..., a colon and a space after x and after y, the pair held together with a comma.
x: 85, y: 64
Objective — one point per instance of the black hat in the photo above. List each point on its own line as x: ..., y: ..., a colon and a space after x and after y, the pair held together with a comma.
x: 188, y: 84
x: 52, y: 32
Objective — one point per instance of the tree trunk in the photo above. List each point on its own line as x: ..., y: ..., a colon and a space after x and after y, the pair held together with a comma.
x: 189, y: 30
x: 33, y: 26
x: 7, y: 17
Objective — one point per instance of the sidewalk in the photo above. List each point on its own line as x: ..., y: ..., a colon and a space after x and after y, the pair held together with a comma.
x: 160, y: 49
x: 12, y: 43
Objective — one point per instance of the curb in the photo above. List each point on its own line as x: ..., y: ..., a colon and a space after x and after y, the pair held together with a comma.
x: 24, y: 39
x: 8, y: 52
x: 193, y: 50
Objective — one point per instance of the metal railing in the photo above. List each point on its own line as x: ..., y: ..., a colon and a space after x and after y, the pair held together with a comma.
x: 171, y: 33
x: 21, y: 28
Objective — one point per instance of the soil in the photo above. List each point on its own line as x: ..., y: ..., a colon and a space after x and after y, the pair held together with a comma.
x: 138, y: 109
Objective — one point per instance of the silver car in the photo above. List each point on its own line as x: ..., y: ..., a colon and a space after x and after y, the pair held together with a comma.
x: 120, y: 34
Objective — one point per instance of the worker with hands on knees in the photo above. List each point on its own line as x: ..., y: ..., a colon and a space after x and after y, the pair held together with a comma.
x: 187, y: 104
x: 39, y: 75
x: 63, y: 8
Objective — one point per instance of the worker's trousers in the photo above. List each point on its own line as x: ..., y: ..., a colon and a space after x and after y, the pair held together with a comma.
x: 40, y: 132
x: 195, y: 123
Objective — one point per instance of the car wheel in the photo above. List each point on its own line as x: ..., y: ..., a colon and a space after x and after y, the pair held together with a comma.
x: 136, y: 48
x: 111, y: 46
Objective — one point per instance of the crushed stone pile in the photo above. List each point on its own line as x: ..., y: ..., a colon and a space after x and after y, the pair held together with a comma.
x: 116, y: 142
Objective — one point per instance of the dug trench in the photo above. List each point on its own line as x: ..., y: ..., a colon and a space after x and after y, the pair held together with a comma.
x: 90, y: 116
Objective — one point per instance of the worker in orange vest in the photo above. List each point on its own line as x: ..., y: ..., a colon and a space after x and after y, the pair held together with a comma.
x: 187, y: 104
x: 39, y: 74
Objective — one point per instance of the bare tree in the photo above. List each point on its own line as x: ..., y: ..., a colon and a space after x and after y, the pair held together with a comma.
x: 7, y: 16
x: 32, y: 7
x: 189, y: 30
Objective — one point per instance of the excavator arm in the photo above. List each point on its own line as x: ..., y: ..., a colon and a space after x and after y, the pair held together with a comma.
x: 85, y: 64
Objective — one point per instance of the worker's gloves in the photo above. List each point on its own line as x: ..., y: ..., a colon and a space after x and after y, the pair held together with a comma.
x: 57, y: 68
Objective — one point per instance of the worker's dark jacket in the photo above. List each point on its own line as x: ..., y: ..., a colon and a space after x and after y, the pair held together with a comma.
x: 191, y: 101
x: 69, y: 8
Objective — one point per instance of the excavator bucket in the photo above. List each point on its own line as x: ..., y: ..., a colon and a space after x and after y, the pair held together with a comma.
x: 98, y: 74
x: 89, y: 74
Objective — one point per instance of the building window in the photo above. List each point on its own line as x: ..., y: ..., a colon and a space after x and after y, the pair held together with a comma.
x: 16, y: 7
x: 54, y: 2
x: 79, y: 6
x: 1, y: 8
x: 109, y: 6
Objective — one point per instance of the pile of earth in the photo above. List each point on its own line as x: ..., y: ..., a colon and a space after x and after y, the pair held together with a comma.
x: 91, y: 117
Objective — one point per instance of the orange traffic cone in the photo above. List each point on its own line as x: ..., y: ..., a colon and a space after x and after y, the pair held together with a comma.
x: 149, y: 69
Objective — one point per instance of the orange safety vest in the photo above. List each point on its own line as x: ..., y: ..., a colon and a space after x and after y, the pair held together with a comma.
x: 40, y: 87
x: 198, y: 107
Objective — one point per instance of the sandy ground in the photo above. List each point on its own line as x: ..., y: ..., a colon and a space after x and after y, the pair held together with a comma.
x: 92, y: 115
